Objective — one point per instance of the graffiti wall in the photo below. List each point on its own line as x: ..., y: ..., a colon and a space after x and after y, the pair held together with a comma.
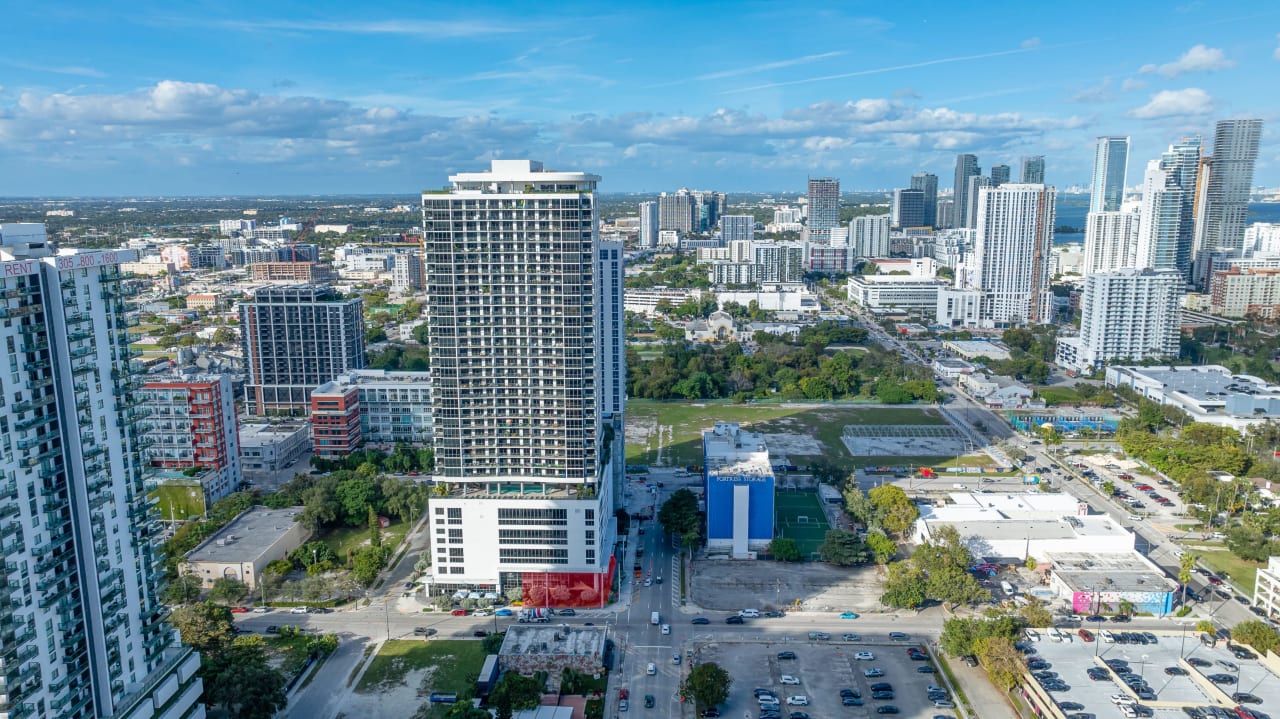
x: 568, y: 589
x: 1111, y: 602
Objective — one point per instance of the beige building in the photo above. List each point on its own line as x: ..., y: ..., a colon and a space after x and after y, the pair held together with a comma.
x: 204, y: 301
x: 1246, y: 293
x: 309, y: 272
x: 246, y: 545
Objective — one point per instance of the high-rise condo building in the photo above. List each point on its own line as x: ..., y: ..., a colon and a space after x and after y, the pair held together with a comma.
x: 734, y: 228
x: 1011, y: 253
x: 296, y: 338
x: 824, y: 207
x: 1111, y: 240
x: 648, y: 225
x: 610, y: 272
x: 192, y: 426
x: 526, y: 461
x: 966, y: 167
x: 869, y: 236
x: 1226, y: 201
x: 1110, y: 165
x: 945, y: 214
x: 85, y: 633
x: 976, y: 182
x: 928, y: 184
x: 999, y: 175
x: 1127, y: 315
x: 1033, y: 170
x: 678, y: 211
x: 908, y: 208
x: 1166, y: 225
x: 406, y: 271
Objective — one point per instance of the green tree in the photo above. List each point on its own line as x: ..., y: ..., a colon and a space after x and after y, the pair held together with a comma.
x: 492, y: 643
x: 515, y: 692
x: 422, y: 333
x: 1035, y: 614
x: 842, y: 549
x: 959, y: 634
x: 1257, y: 634
x: 356, y: 496
x: 882, y: 547
x: 1186, y: 564
x: 1001, y: 660
x: 679, y: 514
x: 241, y: 681
x: 784, y: 549
x: 186, y: 588
x: 206, y: 626
x: 707, y: 684
x: 312, y: 553
x: 860, y: 507
x: 227, y: 590
x: 905, y: 586
x: 367, y: 563
x: 224, y: 336
x: 1206, y: 626
x: 375, y: 528
x: 895, y: 508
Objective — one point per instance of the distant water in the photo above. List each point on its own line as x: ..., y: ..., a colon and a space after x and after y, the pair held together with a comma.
x: 1072, y: 210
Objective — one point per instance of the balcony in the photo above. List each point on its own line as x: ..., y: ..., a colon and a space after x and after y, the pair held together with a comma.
x: 8, y: 490
x: 39, y: 383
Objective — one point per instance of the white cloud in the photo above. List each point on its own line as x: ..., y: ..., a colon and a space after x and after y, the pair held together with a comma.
x: 1175, y: 103
x: 1199, y: 58
x: 1096, y: 94
x: 763, y: 67
x: 1031, y: 42
x: 1131, y: 84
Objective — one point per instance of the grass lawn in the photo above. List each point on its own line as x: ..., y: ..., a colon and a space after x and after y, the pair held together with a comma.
x: 1059, y: 395
x: 179, y: 501
x: 455, y: 666
x: 788, y: 506
x: 674, y: 429
x: 292, y: 652
x: 1242, y: 572
x: 343, y: 538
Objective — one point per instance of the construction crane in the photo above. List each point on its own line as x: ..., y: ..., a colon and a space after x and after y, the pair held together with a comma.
x: 306, y: 227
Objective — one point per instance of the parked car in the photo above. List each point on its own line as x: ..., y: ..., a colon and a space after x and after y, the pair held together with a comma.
x: 865, y: 657
x: 788, y: 679
x: 786, y: 655
x: 873, y: 673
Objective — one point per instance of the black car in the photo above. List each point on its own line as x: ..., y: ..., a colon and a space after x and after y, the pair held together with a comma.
x: 763, y: 692
x: 1070, y: 706
x: 850, y: 693
x: 899, y: 637
x: 1147, y: 695
x: 566, y: 613
x: 1095, y: 618
x: 773, y: 614
x: 881, y: 687
x: 1242, y: 653
x: 1175, y: 671
x: 1198, y: 662
x: 701, y: 620
x: 479, y: 633
x: 797, y: 715
x: 1246, y: 698
x: 1038, y: 664
x: 786, y: 655
x: 1221, y: 678
x: 886, y: 709
x: 711, y: 713
x: 1120, y: 618
x: 851, y: 701
x: 926, y: 669
x: 882, y: 695
x: 735, y: 619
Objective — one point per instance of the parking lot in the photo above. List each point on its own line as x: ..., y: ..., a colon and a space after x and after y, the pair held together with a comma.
x: 1184, y: 685
x: 824, y: 668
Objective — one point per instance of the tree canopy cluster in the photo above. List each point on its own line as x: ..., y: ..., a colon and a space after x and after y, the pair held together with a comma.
x: 402, y: 460
x: 346, y: 497
x: 778, y: 368
x: 937, y: 570
x: 679, y: 516
x: 886, y: 508
x: 678, y: 270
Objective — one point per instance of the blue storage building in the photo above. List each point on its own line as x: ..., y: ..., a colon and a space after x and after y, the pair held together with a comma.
x: 739, y: 487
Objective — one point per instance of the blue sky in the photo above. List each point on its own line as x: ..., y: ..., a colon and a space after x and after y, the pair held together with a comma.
x: 233, y: 97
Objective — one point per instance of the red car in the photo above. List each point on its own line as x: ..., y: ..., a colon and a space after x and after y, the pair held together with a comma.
x: 239, y: 610
x: 459, y: 612
x: 1125, y: 476
x: 1214, y: 580
x: 1085, y: 635
x: 1144, y: 487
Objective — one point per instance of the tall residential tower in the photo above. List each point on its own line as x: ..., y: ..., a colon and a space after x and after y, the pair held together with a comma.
x: 526, y: 459
x: 84, y: 632
x: 1226, y: 202
x: 824, y: 207
x: 966, y: 167
x: 1110, y: 165
x: 927, y: 183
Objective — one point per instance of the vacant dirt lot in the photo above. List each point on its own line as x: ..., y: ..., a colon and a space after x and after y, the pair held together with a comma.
x: 731, y: 585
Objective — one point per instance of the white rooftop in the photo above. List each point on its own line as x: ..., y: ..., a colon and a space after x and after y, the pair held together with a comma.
x: 729, y: 449
x: 971, y: 506
x: 247, y: 536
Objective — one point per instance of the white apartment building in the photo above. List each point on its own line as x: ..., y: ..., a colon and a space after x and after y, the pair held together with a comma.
x: 1111, y: 240
x: 869, y: 236
x: 950, y: 247
x: 1010, y: 263
x: 900, y: 293
x: 648, y: 237
x: 1266, y: 588
x: 1130, y: 315
x: 959, y: 307
x: 406, y: 273
x: 1263, y: 238
x: 737, y: 228
x: 525, y: 459
x: 85, y: 632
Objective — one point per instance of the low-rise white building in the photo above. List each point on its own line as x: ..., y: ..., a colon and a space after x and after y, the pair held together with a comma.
x: 1208, y: 393
x: 794, y: 298
x: 999, y: 526
x: 895, y: 293
x: 271, y: 447
x: 645, y: 301
x: 1266, y: 588
x: 972, y: 349
x: 246, y: 545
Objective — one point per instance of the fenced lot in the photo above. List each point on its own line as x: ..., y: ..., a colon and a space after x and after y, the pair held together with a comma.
x: 897, y: 440
x: 799, y: 516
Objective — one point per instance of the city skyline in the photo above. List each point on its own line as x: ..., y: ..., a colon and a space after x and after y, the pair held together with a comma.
x: 255, y: 99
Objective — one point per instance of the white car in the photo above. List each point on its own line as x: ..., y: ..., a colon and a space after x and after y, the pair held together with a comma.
x: 1108, y: 637
x: 1134, y: 518
x: 666, y: 628
x: 481, y: 613
x: 299, y: 610
x: 944, y: 704
x: 651, y: 669
x: 1122, y: 700
x: 865, y: 657
x: 788, y: 679
x: 749, y: 613
x: 798, y: 701
x: 935, y: 688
